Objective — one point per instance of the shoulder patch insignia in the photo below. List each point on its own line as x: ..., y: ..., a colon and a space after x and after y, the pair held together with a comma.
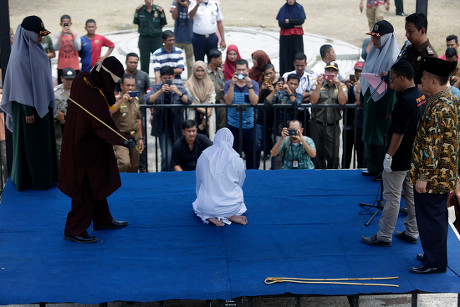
x: 429, y: 50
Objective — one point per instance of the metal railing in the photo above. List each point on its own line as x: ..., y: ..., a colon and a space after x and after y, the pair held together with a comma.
x: 272, y: 115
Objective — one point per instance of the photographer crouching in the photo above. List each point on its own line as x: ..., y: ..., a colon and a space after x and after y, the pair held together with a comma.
x: 298, y: 150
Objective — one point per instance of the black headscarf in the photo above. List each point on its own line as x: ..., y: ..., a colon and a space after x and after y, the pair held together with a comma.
x: 101, y: 77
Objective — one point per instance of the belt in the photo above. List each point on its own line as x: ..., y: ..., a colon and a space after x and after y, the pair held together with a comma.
x: 129, y: 133
x: 206, y: 35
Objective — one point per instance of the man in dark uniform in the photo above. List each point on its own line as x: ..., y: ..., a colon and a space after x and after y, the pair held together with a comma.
x: 88, y: 169
x: 416, y: 28
x: 434, y: 165
x: 151, y: 19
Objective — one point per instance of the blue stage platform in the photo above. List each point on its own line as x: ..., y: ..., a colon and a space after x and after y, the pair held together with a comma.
x: 304, y: 224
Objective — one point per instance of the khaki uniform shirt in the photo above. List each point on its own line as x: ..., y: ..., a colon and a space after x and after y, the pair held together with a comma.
x: 127, y: 116
x: 456, y: 71
x: 61, y: 100
x: 218, y: 80
x: 328, y: 95
x: 435, y: 152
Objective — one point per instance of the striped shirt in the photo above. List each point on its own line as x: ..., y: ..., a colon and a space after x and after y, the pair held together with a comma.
x: 162, y: 58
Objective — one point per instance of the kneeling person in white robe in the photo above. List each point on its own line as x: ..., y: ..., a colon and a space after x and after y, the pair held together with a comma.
x: 219, y: 180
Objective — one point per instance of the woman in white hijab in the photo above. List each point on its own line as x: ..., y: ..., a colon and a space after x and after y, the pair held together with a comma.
x: 382, y: 56
x: 219, y: 180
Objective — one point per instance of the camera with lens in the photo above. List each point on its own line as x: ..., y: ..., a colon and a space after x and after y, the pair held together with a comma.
x: 241, y: 76
x: 292, y: 132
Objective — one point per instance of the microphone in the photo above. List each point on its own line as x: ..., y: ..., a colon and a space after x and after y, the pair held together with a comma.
x: 407, y: 43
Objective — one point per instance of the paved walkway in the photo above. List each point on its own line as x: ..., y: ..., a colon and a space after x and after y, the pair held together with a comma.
x: 249, y: 40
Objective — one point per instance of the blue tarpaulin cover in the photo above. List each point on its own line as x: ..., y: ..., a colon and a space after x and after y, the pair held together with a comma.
x: 303, y: 224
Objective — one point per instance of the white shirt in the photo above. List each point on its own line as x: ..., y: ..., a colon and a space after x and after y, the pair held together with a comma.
x: 306, y: 81
x: 206, y: 17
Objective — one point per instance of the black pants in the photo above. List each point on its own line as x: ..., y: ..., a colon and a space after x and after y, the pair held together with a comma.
x: 432, y: 222
x: 399, y: 6
x: 349, y: 137
x: 289, y: 46
x: 247, y: 144
x: 202, y: 45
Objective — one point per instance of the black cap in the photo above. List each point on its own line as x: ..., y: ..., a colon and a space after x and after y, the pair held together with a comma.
x: 332, y: 65
x: 438, y: 67
x: 34, y: 24
x: 381, y: 28
x: 68, y: 73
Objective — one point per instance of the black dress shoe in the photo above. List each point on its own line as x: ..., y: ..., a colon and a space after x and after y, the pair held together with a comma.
x: 114, y: 224
x: 374, y: 241
x: 426, y: 270
x: 80, y: 239
x: 377, y: 178
x: 401, y: 14
x: 403, y: 236
x: 367, y: 173
x: 420, y: 257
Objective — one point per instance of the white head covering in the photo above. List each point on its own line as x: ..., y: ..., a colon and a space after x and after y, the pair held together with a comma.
x: 28, y: 76
x: 221, y: 152
x: 379, y: 60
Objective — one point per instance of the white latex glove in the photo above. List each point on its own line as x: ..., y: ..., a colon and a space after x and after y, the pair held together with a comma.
x: 387, y: 163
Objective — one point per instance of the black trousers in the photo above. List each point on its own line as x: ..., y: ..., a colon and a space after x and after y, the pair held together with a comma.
x: 432, y: 222
x: 399, y: 6
x: 289, y: 46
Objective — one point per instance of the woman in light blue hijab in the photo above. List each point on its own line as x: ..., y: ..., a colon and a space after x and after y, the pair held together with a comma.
x: 28, y: 101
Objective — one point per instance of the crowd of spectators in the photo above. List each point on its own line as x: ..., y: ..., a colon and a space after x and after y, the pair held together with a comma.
x: 252, y: 92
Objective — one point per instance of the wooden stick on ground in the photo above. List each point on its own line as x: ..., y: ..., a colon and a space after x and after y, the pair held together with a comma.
x: 329, y: 281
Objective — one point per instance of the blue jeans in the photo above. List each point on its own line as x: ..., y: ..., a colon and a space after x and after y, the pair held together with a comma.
x: 247, y: 142
x: 166, y: 145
